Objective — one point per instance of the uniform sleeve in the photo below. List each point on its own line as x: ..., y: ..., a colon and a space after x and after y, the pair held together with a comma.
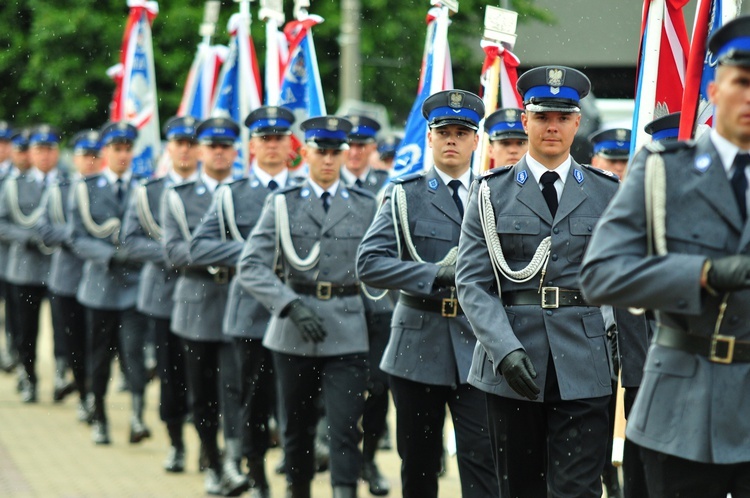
x: 9, y: 231
x: 52, y: 235
x: 176, y: 248
x: 140, y: 245
x: 82, y: 243
x: 206, y: 247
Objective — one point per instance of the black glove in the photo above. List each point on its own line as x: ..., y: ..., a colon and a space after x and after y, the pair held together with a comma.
x: 520, y: 374
x: 729, y: 273
x: 446, y: 276
x: 307, y: 321
x: 120, y: 256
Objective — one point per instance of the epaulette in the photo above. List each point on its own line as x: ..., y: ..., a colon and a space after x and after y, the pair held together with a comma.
x: 361, y: 191
x: 289, y: 188
x: 606, y: 174
x: 146, y: 182
x: 494, y: 172
x: 238, y: 182
x: 184, y: 185
x: 88, y: 179
x: 409, y: 178
x: 669, y: 146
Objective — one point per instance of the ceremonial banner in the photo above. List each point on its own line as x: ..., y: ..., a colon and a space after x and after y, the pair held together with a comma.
x: 136, y: 100
x: 661, y: 65
x: 199, y: 93
x: 697, y: 111
x: 300, y: 86
x: 410, y: 156
x: 238, y: 92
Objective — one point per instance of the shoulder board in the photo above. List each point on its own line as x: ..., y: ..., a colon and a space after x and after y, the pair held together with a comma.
x: 361, y: 191
x: 238, y: 183
x: 606, y: 174
x: 289, y: 188
x: 495, y: 172
x: 671, y: 146
x: 153, y: 181
x: 92, y: 178
x: 409, y: 178
x: 184, y: 185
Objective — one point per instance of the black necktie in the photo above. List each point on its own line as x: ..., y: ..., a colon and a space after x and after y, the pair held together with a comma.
x: 455, y: 185
x: 119, y: 189
x: 739, y: 182
x: 358, y: 183
x: 548, y: 190
x: 325, y: 198
x: 272, y: 185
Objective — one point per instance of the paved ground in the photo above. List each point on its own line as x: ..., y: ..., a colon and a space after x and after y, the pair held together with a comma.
x: 45, y: 452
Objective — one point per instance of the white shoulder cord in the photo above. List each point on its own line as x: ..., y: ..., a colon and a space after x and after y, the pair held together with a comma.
x: 487, y: 219
x: 55, y: 205
x: 145, y: 216
x: 362, y: 285
x: 284, y: 238
x: 19, y: 218
x: 177, y: 208
x: 225, y: 205
x: 110, y: 227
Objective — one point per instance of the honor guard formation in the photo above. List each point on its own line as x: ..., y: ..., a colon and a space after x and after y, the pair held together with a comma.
x: 288, y: 307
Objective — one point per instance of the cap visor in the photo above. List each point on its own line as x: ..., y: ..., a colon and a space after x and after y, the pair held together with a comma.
x: 459, y: 122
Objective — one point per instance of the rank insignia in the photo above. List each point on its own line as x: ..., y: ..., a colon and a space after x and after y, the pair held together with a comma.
x: 304, y: 193
x: 101, y: 182
x: 522, y: 177
x: 200, y: 190
x: 578, y: 175
x: 702, y: 162
x: 433, y: 184
x: 345, y: 193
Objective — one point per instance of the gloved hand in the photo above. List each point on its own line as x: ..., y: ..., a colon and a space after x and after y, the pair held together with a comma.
x: 307, y: 321
x: 519, y: 372
x: 120, y: 255
x: 446, y: 276
x: 729, y: 273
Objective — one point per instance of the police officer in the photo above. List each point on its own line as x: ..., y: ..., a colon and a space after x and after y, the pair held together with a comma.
x: 508, y: 139
x: 142, y: 238
x: 611, y: 150
x: 200, y: 298
x: 358, y: 173
x: 7, y: 362
x: 27, y: 273
x: 218, y: 240
x: 317, y: 331
x: 542, y: 358
x: 665, y: 128
x: 387, y: 147
x: 688, y: 417
x: 110, y: 278
x: 68, y: 315
x: 429, y: 351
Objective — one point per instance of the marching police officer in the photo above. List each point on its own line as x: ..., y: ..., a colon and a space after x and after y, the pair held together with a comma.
x: 688, y: 417
x: 411, y: 246
x: 110, y: 277
x: 611, y: 150
x: 508, y: 139
x: 317, y: 331
x: 8, y: 353
x: 541, y: 357
x: 142, y: 238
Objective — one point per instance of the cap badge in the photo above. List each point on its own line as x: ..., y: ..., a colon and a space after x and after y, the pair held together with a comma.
x: 272, y: 112
x: 92, y: 135
x: 354, y: 120
x: 122, y: 125
x: 555, y: 77
x: 189, y: 121
x: 332, y: 124
x: 272, y: 122
x: 510, y: 115
x: 621, y: 135
x: 456, y: 100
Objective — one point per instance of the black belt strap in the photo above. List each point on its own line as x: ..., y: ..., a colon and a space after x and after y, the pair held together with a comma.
x: 717, y: 348
x: 324, y: 290
x: 548, y: 298
x: 446, y: 307
x: 219, y: 274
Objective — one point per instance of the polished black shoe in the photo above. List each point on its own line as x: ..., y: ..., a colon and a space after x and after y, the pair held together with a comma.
x: 138, y: 431
x: 175, y: 461
x: 379, y: 485
x: 61, y: 391
x: 100, y: 433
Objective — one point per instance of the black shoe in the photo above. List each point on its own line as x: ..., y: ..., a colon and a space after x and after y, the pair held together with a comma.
x: 175, y: 461
x: 260, y: 492
x: 379, y: 485
x: 100, y: 433
x: 322, y: 457
x: 203, y: 461
x: 138, y: 431
x: 28, y: 392
x: 233, y: 482
x: 62, y: 391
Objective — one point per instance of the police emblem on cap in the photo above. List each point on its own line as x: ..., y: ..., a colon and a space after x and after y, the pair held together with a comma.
x: 190, y: 121
x: 122, y: 125
x: 555, y: 77
x: 44, y: 129
x: 272, y: 112
x: 354, y: 120
x: 332, y: 124
x: 456, y: 100
x: 621, y: 135
x: 92, y: 135
x: 510, y: 114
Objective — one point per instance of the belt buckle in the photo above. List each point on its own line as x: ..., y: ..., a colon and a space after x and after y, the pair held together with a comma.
x: 727, y: 358
x: 220, y: 274
x: 449, y: 307
x: 323, y: 290
x: 547, y: 305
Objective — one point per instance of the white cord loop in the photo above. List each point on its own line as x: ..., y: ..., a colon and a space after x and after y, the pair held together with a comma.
x: 110, y: 227
x: 284, y: 238
x: 145, y: 216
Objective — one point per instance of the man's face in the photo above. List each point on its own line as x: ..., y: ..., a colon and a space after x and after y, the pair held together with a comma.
x: 359, y: 157
x: 508, y: 151
x: 5, y: 150
x: 184, y: 155
x: 217, y: 159
x: 616, y: 166
x: 324, y: 164
x: 730, y: 94
x: 550, y: 134
x: 452, y: 146
x: 271, y: 151
x: 118, y: 156
x: 87, y: 164
x: 20, y: 158
x: 44, y: 157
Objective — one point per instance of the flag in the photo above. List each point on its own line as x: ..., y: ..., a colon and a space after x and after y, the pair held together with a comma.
x: 300, y: 86
x: 277, y: 56
x: 200, y: 87
x: 238, y: 92
x: 697, y: 111
x: 410, y: 156
x: 509, y: 96
x: 661, y: 65
x: 136, y: 100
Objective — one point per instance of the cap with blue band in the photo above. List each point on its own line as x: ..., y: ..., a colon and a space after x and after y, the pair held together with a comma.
x: 505, y: 124
x: 181, y: 128
x: 553, y: 89
x: 730, y: 44
x: 327, y: 132
x: 363, y: 130
x: 218, y: 130
x: 613, y: 143
x: 86, y: 142
x: 6, y: 131
x: 453, y: 107
x: 664, y: 128
x: 270, y: 120
x: 44, y: 135
x: 120, y: 132
x: 20, y: 139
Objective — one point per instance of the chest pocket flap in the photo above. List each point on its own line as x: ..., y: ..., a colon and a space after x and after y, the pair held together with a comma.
x: 582, y: 225
x: 520, y: 224
x: 704, y: 234
x: 432, y: 229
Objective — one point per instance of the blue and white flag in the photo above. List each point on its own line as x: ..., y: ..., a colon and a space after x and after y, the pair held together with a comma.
x: 198, y: 96
x: 300, y: 86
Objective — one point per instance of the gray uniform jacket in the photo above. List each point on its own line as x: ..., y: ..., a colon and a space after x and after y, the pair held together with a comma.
x: 142, y: 240
x: 199, y: 300
x: 105, y: 284
x: 339, y: 232
x: 687, y: 406
x: 574, y: 336
x: 4, y: 245
x: 65, y: 268
x: 26, y: 265
x: 424, y: 346
x: 244, y: 316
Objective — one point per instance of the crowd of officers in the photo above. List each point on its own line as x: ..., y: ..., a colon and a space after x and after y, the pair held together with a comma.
x: 301, y: 297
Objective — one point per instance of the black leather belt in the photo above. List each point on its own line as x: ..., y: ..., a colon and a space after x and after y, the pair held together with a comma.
x: 324, y: 290
x: 548, y: 298
x: 717, y: 348
x: 449, y: 308
x: 219, y: 274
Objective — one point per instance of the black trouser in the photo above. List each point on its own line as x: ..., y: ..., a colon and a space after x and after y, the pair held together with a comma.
x: 342, y: 381
x: 11, y: 319
x: 669, y: 476
x: 633, y: 474
x: 69, y: 324
x: 230, y: 395
x: 556, y: 444
x: 420, y: 416
x: 376, y: 404
x: 173, y: 402
x: 28, y: 302
x: 258, y: 395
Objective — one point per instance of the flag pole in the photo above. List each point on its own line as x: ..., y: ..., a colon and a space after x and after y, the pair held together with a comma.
x: 210, y: 18
x: 272, y: 13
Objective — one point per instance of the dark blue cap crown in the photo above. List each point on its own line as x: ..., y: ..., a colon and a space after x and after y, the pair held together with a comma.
x: 218, y: 130
x: 86, y: 141
x: 270, y: 120
x: 44, y: 135
x: 505, y: 124
x: 664, y: 128
x: 327, y: 132
x: 730, y: 44
x: 553, y: 88
x: 364, y: 129
x: 119, y: 132
x: 613, y: 143
x: 181, y: 128
x: 20, y: 139
x: 387, y: 146
x: 453, y: 107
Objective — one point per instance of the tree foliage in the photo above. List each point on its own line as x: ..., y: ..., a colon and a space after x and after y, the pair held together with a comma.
x: 54, y: 54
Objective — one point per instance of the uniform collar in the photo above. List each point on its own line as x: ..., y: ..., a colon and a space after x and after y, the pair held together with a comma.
x: 726, y: 149
x: 264, y: 178
x: 538, y: 169
x: 112, y: 177
x: 177, y: 179
x: 211, y: 183
x: 350, y: 178
x: 465, y: 179
x: 319, y: 190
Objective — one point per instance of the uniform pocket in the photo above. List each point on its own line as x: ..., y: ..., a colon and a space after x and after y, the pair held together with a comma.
x: 580, y: 228
x: 519, y: 236
x: 593, y: 326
